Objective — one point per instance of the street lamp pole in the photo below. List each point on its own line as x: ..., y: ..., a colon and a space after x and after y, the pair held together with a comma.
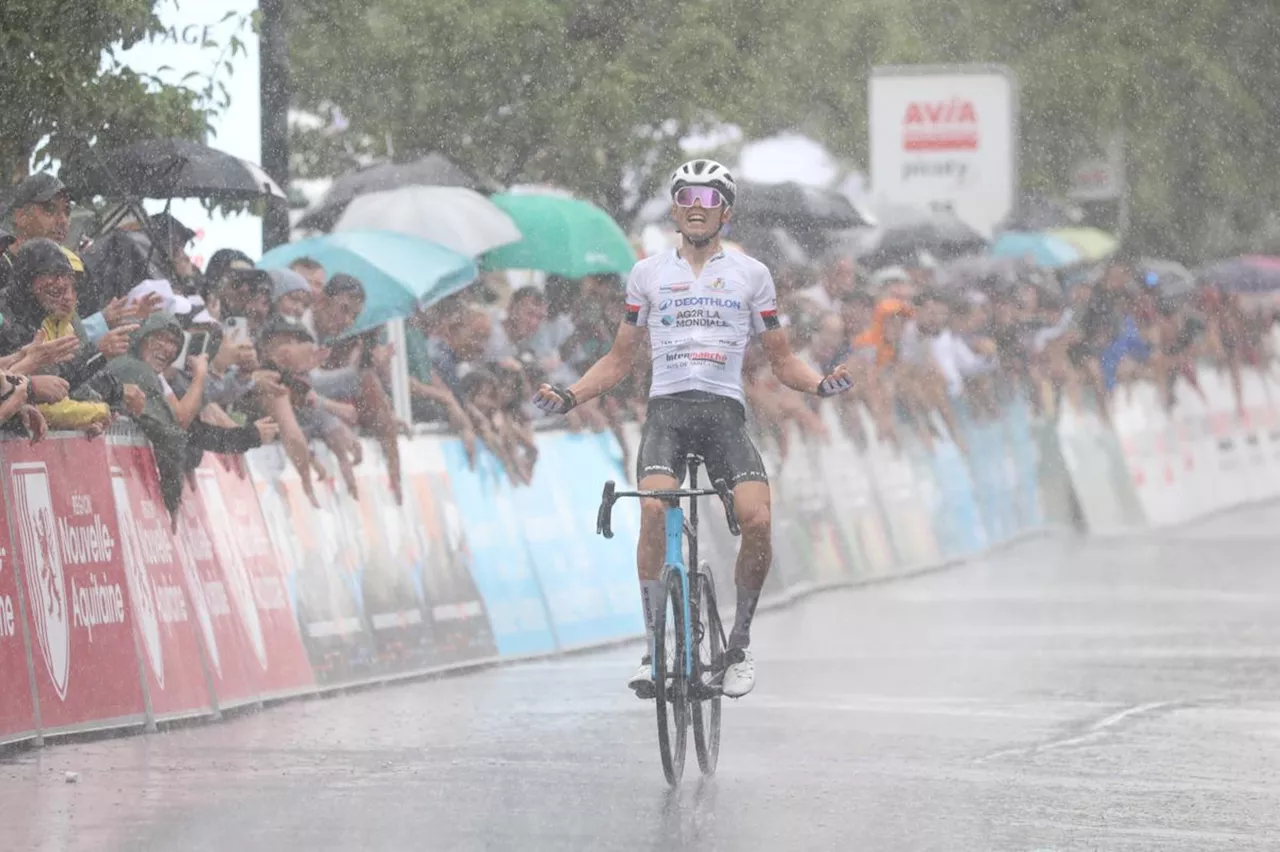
x: 273, y: 97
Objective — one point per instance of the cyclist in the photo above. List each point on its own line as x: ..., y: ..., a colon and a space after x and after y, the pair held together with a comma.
x: 700, y: 304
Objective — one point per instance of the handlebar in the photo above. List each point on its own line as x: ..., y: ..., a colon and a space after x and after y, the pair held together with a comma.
x: 604, y: 518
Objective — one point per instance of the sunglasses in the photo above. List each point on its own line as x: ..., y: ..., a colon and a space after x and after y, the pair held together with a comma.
x: 707, y: 196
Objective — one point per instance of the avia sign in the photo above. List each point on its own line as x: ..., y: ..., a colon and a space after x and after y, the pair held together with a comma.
x: 945, y: 138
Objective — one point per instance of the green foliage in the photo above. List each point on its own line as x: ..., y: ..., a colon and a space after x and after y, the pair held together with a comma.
x: 584, y: 92
x: 62, y: 85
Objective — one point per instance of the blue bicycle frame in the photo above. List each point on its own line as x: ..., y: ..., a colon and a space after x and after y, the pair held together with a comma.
x: 675, y: 561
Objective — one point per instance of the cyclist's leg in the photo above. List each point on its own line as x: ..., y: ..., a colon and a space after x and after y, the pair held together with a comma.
x: 659, y: 465
x: 733, y: 457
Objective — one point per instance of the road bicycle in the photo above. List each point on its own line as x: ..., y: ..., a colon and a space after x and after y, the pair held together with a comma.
x: 689, y: 638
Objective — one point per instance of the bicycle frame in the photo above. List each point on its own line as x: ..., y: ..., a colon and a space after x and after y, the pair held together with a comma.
x: 676, y: 530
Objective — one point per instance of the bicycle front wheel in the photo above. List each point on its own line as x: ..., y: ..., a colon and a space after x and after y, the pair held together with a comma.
x: 670, y: 684
x: 708, y: 669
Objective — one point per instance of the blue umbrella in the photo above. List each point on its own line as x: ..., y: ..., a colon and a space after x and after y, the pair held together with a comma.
x: 400, y: 273
x: 1043, y: 249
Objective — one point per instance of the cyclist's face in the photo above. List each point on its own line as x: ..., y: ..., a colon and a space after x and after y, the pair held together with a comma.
x: 699, y: 222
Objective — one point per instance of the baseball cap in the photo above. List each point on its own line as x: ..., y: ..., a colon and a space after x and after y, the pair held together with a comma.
x: 35, y: 189
x: 171, y: 303
x: 40, y: 257
x: 278, y: 325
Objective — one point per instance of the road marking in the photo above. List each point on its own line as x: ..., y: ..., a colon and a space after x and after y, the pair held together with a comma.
x: 1096, y: 731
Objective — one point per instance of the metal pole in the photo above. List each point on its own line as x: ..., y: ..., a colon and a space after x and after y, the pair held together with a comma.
x: 273, y: 96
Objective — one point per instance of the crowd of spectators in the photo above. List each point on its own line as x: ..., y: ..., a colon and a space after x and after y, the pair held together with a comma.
x: 231, y: 357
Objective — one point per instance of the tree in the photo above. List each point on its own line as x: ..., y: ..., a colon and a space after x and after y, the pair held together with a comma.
x: 64, y: 87
x: 594, y: 95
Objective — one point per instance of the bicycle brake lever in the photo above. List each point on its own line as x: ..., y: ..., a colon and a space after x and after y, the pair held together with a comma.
x: 726, y: 497
x: 604, y: 518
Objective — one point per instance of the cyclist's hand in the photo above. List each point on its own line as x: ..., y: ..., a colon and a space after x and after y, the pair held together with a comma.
x: 554, y: 400
x: 837, y: 381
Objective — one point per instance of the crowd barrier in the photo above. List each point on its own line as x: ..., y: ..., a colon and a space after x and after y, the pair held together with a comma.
x: 114, y: 615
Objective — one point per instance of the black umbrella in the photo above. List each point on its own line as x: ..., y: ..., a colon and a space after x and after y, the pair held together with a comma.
x: 431, y: 170
x: 904, y: 234
x: 795, y: 206
x: 168, y: 168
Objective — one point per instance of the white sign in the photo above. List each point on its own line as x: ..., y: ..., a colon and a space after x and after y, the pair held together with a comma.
x: 945, y: 138
x: 1102, y: 178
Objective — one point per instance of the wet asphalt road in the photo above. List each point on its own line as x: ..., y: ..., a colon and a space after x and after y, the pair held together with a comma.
x: 1063, y: 695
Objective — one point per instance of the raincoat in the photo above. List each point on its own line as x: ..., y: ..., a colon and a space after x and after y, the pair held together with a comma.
x: 176, y: 450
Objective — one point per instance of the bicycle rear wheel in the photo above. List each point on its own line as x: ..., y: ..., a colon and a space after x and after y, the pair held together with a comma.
x: 670, y: 685
x: 708, y: 668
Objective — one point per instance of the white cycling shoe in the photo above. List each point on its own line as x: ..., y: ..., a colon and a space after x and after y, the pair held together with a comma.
x: 739, y: 673
x: 641, y: 683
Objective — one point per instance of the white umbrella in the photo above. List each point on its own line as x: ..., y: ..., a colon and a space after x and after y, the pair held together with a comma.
x: 452, y: 216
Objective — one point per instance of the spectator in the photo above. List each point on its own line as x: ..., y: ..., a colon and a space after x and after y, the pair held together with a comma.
x: 177, y: 436
x: 42, y: 299
x: 352, y: 374
x: 839, y: 278
x: 40, y: 208
x: 433, y: 400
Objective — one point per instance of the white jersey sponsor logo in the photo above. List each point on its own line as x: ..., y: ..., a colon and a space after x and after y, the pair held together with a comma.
x: 699, y: 326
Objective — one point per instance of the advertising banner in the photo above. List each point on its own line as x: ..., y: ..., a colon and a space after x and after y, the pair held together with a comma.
x: 945, y: 138
x: 320, y: 554
x: 257, y: 585
x: 226, y: 647
x: 67, y: 545
x: 500, y: 561
x: 459, y: 622
x: 589, y: 582
x: 393, y: 604
x: 162, y: 617
x: 17, y: 712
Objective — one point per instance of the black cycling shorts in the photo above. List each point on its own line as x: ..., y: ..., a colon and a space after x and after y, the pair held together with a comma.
x: 705, y: 424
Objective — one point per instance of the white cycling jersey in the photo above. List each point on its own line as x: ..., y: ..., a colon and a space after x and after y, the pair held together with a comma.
x: 699, y: 326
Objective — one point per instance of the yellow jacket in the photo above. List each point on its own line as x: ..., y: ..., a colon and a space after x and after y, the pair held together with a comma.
x: 69, y: 414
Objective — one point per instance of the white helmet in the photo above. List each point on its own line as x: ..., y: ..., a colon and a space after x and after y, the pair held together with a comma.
x: 705, y: 173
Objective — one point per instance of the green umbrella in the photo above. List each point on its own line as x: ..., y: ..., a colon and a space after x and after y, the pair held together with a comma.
x: 562, y: 236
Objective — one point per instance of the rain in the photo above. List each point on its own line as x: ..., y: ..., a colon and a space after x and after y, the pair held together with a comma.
x: 568, y: 424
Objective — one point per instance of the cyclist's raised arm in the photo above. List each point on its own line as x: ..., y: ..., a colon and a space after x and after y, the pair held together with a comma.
x: 615, y: 366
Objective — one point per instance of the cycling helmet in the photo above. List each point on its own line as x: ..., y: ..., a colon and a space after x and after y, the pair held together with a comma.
x: 702, y: 172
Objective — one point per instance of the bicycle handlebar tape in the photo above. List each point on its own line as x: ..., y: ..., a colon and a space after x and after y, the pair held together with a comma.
x: 604, y: 519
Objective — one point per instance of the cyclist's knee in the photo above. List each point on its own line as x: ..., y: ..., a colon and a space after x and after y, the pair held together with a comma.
x: 755, y: 520
x: 652, y: 516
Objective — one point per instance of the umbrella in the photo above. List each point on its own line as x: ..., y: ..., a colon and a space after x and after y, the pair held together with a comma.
x: 453, y: 216
x: 168, y: 168
x: 906, y: 232
x: 1250, y: 274
x: 562, y: 236
x: 1092, y: 243
x: 1041, y: 249
x: 795, y: 205
x: 431, y: 170
x: 1171, y: 277
x: 400, y: 273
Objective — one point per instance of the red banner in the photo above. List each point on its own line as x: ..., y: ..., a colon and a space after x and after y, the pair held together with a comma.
x: 259, y: 592
x: 17, y: 714
x: 67, y: 545
x: 163, y: 616
x: 227, y: 654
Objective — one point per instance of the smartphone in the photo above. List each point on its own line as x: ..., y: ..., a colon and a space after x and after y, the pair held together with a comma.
x: 193, y: 343
x: 235, y: 329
